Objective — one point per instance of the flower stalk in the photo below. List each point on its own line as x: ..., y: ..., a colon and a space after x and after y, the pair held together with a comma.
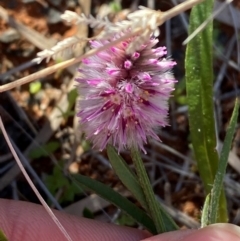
x: 155, y: 209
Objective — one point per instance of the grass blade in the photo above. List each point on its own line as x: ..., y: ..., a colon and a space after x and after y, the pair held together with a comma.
x: 126, y: 175
x: 205, y: 212
x: 218, y: 182
x: 130, y: 180
x: 118, y: 200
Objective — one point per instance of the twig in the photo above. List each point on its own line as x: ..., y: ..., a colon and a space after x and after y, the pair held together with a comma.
x: 182, y: 7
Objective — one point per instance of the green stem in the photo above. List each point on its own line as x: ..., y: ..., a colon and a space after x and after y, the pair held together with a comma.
x: 160, y: 218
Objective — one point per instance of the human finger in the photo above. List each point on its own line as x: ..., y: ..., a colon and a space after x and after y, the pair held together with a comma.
x: 219, y: 232
x: 30, y: 222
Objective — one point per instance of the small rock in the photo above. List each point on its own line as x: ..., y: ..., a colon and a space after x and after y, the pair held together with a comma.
x: 73, y: 168
x: 9, y: 36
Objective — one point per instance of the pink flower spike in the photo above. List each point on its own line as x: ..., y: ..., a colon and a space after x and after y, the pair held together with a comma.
x: 124, y: 98
x: 113, y: 71
x: 166, y: 64
x: 129, y: 88
x: 94, y: 82
x: 95, y: 44
x: 117, y: 51
x: 86, y: 61
x: 153, y: 61
x: 144, y: 76
x: 135, y: 55
x: 161, y: 51
x: 124, y: 44
x: 127, y: 64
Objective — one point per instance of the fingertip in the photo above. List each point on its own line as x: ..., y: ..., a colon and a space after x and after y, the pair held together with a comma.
x: 220, y: 232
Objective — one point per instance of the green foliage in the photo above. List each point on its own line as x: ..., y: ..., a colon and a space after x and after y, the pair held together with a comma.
x: 180, y: 93
x: 162, y: 220
x: 205, y: 212
x: 133, y: 183
x: 57, y: 180
x: 126, y: 175
x: 72, y: 97
x: 118, y: 200
x: 86, y: 145
x: 199, y: 85
x: 126, y: 220
x: 35, y: 87
x: 88, y: 213
x: 45, y: 150
x: 2, y: 236
x: 115, y: 6
x: 218, y: 181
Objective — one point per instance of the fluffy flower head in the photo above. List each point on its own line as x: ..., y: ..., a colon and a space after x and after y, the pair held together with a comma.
x: 124, y: 96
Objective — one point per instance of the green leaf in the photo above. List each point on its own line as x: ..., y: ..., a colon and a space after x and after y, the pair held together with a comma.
x: 205, y: 212
x: 115, y: 6
x: 2, y: 236
x: 57, y: 180
x: 180, y: 92
x: 126, y: 175
x: 218, y: 182
x: 199, y: 85
x: 35, y: 87
x: 88, y: 213
x: 72, y: 96
x: 130, y: 180
x: 45, y: 150
x: 118, y: 200
x: 126, y: 220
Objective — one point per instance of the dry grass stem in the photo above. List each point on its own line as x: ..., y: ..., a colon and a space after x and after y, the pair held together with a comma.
x: 49, y: 211
x: 206, y: 22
